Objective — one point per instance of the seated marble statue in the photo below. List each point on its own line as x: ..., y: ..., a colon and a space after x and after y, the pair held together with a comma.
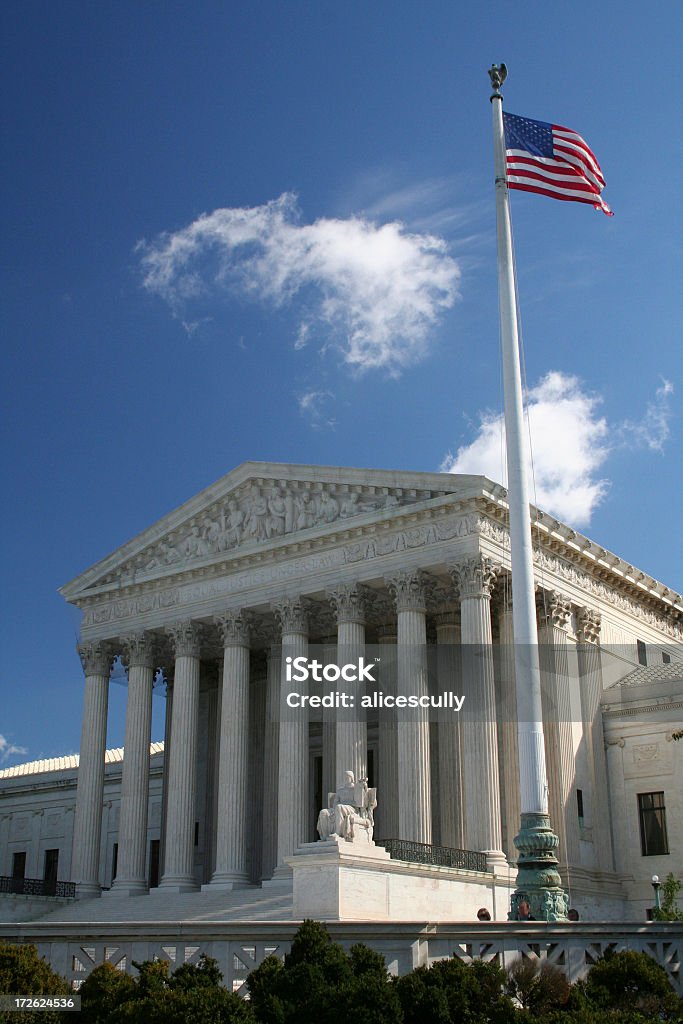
x: 350, y: 808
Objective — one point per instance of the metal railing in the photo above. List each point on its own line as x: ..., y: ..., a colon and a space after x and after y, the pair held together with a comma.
x: 37, y: 887
x: 441, y: 856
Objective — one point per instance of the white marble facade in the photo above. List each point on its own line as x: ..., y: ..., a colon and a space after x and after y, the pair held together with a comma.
x: 296, y: 556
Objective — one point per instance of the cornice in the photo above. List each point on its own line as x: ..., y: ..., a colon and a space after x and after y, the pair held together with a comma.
x: 557, y: 550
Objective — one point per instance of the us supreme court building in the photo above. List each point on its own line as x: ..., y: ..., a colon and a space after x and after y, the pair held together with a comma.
x: 409, y: 571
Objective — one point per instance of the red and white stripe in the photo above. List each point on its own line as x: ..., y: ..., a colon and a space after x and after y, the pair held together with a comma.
x: 572, y: 174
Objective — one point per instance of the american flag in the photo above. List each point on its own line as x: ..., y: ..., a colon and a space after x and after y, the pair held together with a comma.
x: 553, y: 161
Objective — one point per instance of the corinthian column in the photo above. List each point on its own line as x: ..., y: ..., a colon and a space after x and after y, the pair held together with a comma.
x: 554, y: 613
x: 85, y: 860
x: 131, y: 875
x: 450, y: 732
x: 292, y: 824
x: 271, y: 762
x: 351, y: 738
x: 182, y: 763
x: 387, y: 774
x: 231, y: 831
x: 474, y: 580
x: 412, y: 726
x: 590, y: 678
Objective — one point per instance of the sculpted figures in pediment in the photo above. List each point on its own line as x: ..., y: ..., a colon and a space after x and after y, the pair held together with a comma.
x: 328, y: 508
x: 304, y: 511
x: 232, y: 524
x: 261, y: 513
x: 196, y: 544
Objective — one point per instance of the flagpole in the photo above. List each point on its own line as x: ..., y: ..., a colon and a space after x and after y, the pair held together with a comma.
x: 538, y: 881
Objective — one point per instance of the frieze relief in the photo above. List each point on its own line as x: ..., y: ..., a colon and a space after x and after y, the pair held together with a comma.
x: 377, y: 545
x: 550, y: 563
x: 259, y: 513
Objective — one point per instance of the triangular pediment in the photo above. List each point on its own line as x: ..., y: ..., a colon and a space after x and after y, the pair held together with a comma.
x: 262, y: 504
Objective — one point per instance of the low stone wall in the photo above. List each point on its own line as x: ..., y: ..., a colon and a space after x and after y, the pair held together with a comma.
x: 240, y: 947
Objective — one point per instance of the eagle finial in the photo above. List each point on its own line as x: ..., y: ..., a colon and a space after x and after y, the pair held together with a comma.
x: 497, y: 73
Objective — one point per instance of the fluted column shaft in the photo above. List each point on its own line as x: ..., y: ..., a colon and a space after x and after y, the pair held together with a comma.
x: 450, y: 734
x: 85, y: 860
x: 554, y: 615
x: 293, y: 774
x: 351, y: 738
x: 231, y: 829
x: 131, y: 875
x: 387, y: 775
x: 182, y: 766
x: 614, y: 750
x: 330, y: 779
x: 412, y: 728
x: 474, y: 579
x: 271, y: 763
x: 590, y: 678
x: 508, y: 742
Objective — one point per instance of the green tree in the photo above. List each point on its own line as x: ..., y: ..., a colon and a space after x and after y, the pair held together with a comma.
x: 102, y: 992
x: 668, y: 909
x: 24, y: 973
x: 450, y: 990
x: 628, y: 987
x: 318, y: 982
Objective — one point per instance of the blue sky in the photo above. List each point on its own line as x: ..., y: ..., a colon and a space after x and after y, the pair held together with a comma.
x: 342, y: 309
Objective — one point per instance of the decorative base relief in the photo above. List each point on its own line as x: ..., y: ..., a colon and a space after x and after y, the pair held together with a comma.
x: 539, y: 895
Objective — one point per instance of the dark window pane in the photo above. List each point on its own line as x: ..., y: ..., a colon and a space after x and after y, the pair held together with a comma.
x: 652, y: 814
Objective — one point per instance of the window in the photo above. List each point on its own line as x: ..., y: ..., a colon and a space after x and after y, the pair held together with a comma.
x: 114, y: 861
x: 579, y: 805
x: 154, y: 863
x: 652, y: 814
x: 371, y: 768
x: 50, y: 871
x: 19, y: 865
x: 196, y: 833
x: 642, y: 652
x: 666, y: 658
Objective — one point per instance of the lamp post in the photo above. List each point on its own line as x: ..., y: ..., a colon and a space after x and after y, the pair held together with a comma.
x: 656, y: 885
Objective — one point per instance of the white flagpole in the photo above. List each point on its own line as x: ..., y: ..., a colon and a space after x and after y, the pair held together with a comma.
x: 532, y: 767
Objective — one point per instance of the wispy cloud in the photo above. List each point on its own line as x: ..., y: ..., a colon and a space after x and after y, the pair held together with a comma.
x: 316, y: 406
x: 654, y: 428
x: 571, y: 442
x: 8, y: 750
x: 378, y: 288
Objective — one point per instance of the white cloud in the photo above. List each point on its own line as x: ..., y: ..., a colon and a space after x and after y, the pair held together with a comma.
x: 379, y: 288
x: 570, y: 445
x: 316, y: 405
x: 653, y: 429
x: 8, y: 749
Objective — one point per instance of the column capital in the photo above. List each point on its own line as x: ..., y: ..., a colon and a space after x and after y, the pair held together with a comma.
x: 553, y: 609
x: 474, y: 577
x: 409, y: 590
x: 186, y: 639
x: 234, y: 627
x: 139, y: 650
x: 349, y: 602
x: 589, y: 623
x: 292, y: 614
x: 96, y: 658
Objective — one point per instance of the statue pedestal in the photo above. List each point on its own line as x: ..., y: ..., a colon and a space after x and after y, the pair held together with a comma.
x: 336, y: 880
